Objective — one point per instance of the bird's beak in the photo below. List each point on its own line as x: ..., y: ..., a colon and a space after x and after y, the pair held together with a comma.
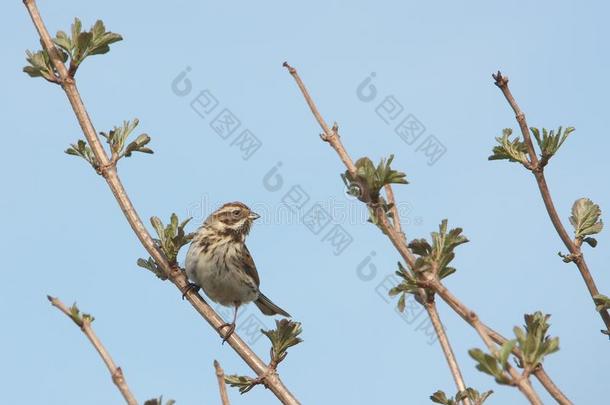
x: 253, y: 216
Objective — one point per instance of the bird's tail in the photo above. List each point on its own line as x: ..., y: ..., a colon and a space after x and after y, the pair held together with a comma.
x: 269, y: 308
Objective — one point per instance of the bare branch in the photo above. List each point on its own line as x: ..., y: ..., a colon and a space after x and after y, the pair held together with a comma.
x: 389, y: 192
x: 84, y: 323
x: 538, y: 171
x: 222, y: 386
x: 446, y: 346
x: 108, y: 171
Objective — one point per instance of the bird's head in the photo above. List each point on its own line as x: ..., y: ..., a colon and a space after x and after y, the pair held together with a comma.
x: 234, y: 219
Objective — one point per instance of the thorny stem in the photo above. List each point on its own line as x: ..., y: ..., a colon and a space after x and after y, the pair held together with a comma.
x: 175, y: 275
x: 393, y: 231
x: 115, y: 372
x: 538, y: 171
x: 401, y: 246
x: 222, y: 386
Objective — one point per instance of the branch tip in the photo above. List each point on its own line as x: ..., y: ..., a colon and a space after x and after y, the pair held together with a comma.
x: 500, y: 80
x: 291, y: 70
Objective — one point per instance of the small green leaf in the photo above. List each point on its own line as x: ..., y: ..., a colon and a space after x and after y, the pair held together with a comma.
x: 586, y: 218
x: 602, y: 302
x: 505, y: 351
x: 436, y: 257
x: 534, y: 343
x: 369, y: 180
x: 151, y: 265
x: 244, y: 383
x: 550, y: 142
x: 171, y: 237
x: 513, y: 151
x: 285, y: 335
x: 63, y: 41
x: 401, y: 303
x: 82, y: 149
x: 439, y: 397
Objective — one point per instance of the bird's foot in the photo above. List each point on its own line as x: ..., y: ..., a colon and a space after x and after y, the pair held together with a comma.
x: 228, y: 334
x: 190, y: 287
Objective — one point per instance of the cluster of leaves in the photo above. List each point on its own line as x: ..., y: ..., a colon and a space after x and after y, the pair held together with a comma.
x: 533, y: 343
x: 81, y: 149
x: 40, y: 65
x: 433, y: 259
x: 408, y: 285
x: 151, y: 265
x: 117, y: 136
x: 77, y: 46
x: 550, y: 142
x: 369, y: 180
x: 241, y: 382
x: 511, y: 150
x: 586, y: 220
x: 159, y: 401
x: 79, y: 318
x: 171, y: 239
x: 116, y: 139
x: 75, y: 314
x: 515, y: 150
x: 284, y: 336
x: 436, y: 257
x: 476, y: 398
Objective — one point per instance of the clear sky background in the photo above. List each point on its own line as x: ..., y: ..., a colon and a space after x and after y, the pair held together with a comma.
x: 63, y: 233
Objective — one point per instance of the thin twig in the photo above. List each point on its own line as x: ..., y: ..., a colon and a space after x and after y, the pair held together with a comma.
x: 538, y: 171
x: 389, y: 192
x: 329, y: 135
x: 108, y: 171
x: 401, y: 246
x: 222, y: 386
x: 84, y: 323
x: 446, y: 346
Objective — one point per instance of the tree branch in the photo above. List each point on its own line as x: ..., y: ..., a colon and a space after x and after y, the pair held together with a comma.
x: 84, y: 323
x: 108, y: 171
x: 537, y: 169
x: 394, y: 210
x: 401, y: 246
x: 446, y: 346
x: 393, y: 231
x: 222, y: 386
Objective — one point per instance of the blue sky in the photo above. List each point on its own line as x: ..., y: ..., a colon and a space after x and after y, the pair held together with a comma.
x: 64, y: 234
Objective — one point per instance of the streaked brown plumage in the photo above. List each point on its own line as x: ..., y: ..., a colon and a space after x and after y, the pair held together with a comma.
x: 219, y: 261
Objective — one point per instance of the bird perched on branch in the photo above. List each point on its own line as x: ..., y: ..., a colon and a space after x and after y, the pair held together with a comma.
x: 219, y: 262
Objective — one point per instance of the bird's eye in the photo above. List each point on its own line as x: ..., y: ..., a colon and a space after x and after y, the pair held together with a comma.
x: 236, y: 212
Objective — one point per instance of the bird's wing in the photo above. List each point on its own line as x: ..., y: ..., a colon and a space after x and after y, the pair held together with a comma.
x: 250, y: 267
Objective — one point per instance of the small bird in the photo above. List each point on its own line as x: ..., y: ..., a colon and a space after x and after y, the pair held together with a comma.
x: 219, y: 262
